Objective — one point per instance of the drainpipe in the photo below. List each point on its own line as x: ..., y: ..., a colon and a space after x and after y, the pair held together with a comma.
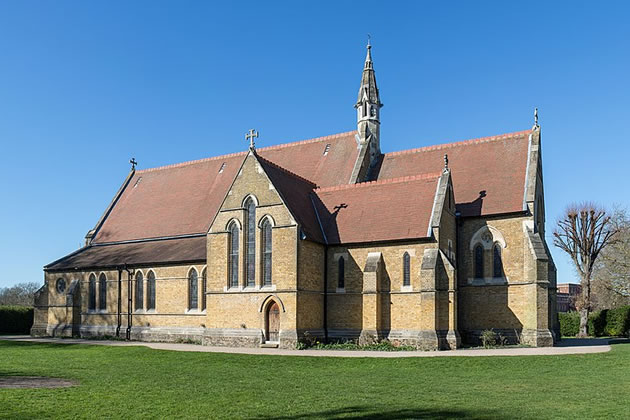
x: 129, y: 302
x: 119, y: 313
x: 326, y: 294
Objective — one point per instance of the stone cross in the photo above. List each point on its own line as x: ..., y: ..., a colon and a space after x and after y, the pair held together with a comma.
x: 251, y: 135
x: 133, y: 163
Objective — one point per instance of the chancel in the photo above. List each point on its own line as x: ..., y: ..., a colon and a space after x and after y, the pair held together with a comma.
x: 326, y: 238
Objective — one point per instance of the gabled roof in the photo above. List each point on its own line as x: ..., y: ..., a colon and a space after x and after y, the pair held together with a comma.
x: 182, y: 199
x: 170, y: 251
x: 392, y: 209
x: 488, y: 173
x: 170, y: 201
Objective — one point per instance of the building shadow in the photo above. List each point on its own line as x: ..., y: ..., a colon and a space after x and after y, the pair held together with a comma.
x: 472, y: 208
x: 366, y: 412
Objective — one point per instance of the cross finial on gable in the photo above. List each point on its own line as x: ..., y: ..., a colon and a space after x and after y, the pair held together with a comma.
x: 251, y: 135
x: 535, y: 117
x: 133, y: 163
x: 445, y: 162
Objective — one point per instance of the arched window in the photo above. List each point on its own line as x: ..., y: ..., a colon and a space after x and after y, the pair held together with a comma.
x: 497, y: 263
x: 102, y: 292
x: 151, y: 290
x: 92, y: 293
x: 203, y: 290
x: 341, y: 273
x: 139, y: 291
x: 250, y: 242
x: 233, y: 264
x: 406, y: 269
x: 479, y: 261
x: 266, y: 251
x: 193, y: 289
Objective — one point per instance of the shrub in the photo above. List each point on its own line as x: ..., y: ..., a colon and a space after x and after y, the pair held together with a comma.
x: 569, y: 323
x: 15, y: 319
x: 489, y: 338
x: 618, y: 322
x: 597, y: 323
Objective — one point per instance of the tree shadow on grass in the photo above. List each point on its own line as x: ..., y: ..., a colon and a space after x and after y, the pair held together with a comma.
x: 364, y: 413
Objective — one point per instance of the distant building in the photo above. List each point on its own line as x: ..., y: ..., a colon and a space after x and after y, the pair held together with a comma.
x: 566, y: 295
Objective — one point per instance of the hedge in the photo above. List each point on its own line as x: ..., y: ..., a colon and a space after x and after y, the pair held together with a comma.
x: 15, y: 319
x: 604, y: 323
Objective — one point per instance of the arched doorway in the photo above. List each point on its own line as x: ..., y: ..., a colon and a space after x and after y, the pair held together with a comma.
x: 272, y: 322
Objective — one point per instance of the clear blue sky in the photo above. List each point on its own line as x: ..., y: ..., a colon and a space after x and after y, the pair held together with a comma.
x: 86, y: 85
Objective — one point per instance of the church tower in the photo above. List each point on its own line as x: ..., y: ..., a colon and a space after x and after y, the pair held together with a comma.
x: 368, y: 109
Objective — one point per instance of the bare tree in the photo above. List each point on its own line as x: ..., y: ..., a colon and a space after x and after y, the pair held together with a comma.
x: 612, y: 270
x: 582, y: 233
x: 22, y: 294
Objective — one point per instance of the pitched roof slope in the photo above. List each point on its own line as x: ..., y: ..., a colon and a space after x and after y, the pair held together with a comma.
x: 170, y: 201
x: 135, y: 253
x: 295, y: 191
x: 182, y: 199
x: 488, y: 173
x: 307, y: 158
x: 377, y: 211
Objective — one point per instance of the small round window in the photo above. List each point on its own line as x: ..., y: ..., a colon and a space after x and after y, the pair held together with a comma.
x: 61, y: 285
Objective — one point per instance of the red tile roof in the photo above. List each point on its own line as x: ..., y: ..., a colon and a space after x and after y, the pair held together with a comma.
x: 377, y: 211
x: 488, y: 173
x: 183, y: 198
x: 170, y: 201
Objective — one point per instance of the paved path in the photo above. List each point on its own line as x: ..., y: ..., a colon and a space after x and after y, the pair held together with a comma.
x: 596, y: 346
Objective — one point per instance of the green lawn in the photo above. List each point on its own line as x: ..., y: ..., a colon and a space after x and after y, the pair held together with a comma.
x: 140, y: 382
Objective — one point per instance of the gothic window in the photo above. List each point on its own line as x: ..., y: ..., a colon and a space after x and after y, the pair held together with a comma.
x: 266, y: 244
x: 60, y: 285
x: 193, y: 289
x: 203, y: 289
x: 102, y: 292
x: 250, y: 242
x: 151, y: 290
x: 497, y: 263
x: 92, y: 293
x: 373, y: 111
x: 478, y: 261
x: 341, y: 273
x: 233, y: 257
x: 364, y: 110
x: 139, y: 291
x: 406, y: 270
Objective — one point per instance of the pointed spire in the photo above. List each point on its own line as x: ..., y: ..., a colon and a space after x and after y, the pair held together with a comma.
x: 368, y: 57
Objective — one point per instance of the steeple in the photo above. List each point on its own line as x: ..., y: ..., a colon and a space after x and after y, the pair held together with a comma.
x: 368, y: 108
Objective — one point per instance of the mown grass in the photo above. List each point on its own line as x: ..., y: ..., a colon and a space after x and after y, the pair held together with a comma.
x: 139, y: 382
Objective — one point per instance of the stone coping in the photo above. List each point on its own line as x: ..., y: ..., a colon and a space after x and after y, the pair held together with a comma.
x: 600, y: 346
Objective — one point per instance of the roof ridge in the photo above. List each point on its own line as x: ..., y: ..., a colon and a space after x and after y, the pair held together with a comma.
x: 190, y: 162
x: 381, y: 182
x: 313, y: 140
x: 229, y: 155
x: 459, y: 143
x: 275, y: 165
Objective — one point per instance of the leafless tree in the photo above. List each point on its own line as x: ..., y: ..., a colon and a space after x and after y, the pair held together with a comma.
x: 582, y: 233
x: 612, y: 270
x: 21, y: 294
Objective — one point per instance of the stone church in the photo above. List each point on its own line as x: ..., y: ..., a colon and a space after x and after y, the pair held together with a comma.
x: 326, y: 238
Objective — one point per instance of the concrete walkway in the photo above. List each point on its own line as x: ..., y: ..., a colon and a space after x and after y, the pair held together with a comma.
x: 566, y: 347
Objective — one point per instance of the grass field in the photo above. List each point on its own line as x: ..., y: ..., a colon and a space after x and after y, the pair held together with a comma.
x: 138, y: 382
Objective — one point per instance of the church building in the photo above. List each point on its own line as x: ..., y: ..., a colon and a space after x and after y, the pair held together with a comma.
x: 326, y: 238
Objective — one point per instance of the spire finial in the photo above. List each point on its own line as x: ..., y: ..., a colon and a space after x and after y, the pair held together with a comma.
x: 133, y: 163
x: 536, y: 117
x: 446, y: 162
x: 368, y: 44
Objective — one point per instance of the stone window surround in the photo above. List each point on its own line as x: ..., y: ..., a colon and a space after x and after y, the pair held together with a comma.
x: 488, y: 237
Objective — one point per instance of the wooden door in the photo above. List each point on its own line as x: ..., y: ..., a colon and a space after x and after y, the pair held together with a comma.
x: 273, y: 322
